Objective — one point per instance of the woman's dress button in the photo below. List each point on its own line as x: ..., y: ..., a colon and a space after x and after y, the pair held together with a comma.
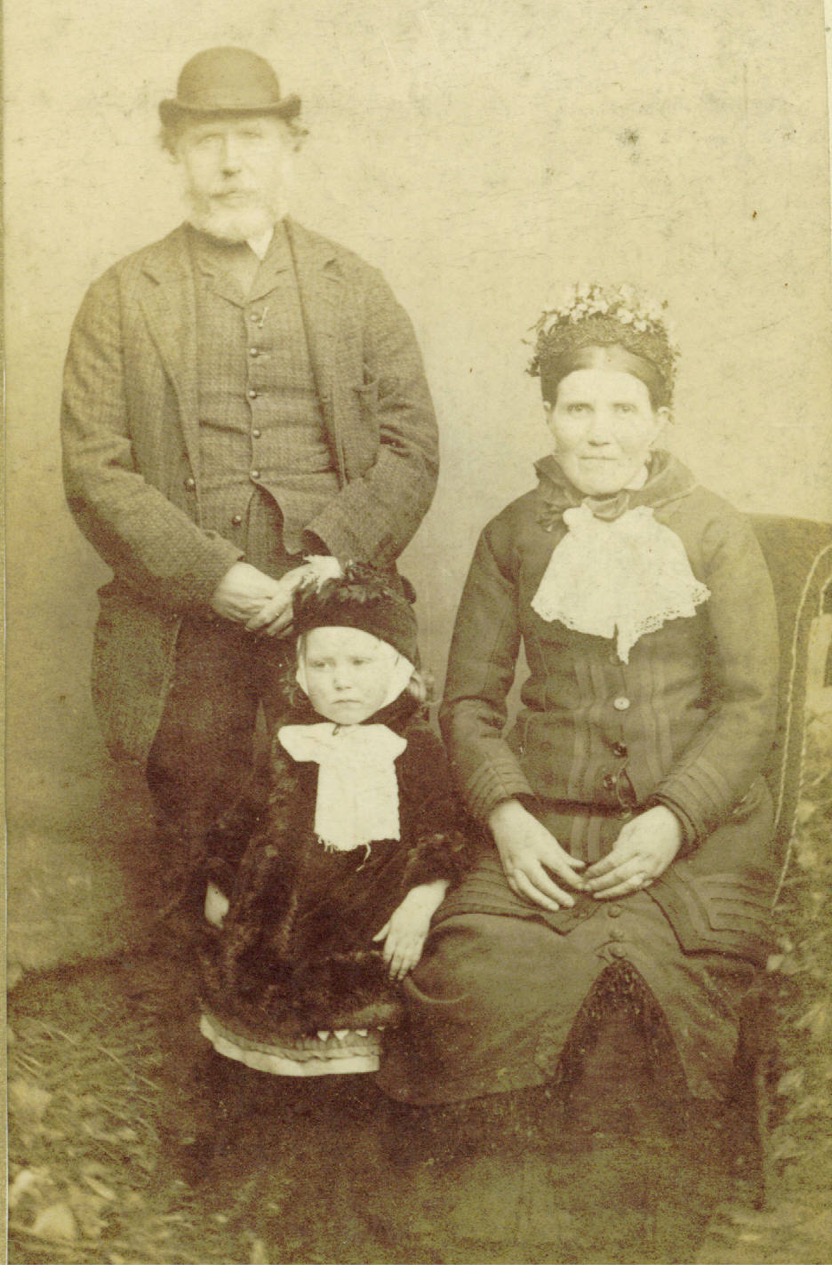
x: 614, y: 910
x: 621, y: 703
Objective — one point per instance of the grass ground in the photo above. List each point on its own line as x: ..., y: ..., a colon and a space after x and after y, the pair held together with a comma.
x: 89, y: 1092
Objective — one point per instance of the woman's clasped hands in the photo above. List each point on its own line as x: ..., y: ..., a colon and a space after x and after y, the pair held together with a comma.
x: 539, y: 869
x: 536, y: 866
x: 645, y: 848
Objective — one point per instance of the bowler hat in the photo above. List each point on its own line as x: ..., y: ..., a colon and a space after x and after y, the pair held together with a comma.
x: 227, y: 81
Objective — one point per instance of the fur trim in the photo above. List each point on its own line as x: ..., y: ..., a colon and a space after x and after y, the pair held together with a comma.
x: 227, y: 839
x: 352, y: 990
x: 439, y: 857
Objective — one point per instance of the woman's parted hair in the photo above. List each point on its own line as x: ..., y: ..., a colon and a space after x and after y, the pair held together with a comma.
x: 593, y: 316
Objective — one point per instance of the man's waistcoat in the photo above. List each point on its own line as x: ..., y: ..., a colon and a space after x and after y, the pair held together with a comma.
x: 266, y: 465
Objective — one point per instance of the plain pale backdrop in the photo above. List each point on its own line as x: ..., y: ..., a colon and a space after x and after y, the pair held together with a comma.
x: 476, y: 152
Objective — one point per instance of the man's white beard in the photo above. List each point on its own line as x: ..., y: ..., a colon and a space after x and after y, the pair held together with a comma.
x: 237, y: 224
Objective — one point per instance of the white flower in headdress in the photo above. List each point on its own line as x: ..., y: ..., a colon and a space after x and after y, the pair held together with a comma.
x: 583, y: 304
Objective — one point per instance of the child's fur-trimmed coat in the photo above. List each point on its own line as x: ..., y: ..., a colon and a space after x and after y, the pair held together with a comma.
x: 296, y: 952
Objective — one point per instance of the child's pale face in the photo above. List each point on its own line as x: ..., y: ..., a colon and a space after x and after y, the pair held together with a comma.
x: 348, y: 673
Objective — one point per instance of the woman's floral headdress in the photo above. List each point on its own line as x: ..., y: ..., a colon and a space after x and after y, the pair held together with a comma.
x: 584, y: 315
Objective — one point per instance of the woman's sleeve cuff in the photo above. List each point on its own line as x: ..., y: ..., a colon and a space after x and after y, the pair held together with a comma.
x: 492, y: 782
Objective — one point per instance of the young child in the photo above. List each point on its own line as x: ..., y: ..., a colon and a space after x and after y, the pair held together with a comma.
x: 335, y: 893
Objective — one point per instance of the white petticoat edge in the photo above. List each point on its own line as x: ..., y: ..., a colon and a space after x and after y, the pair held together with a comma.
x: 276, y: 1060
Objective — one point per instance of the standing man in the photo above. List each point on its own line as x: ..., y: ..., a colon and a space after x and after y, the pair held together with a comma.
x: 243, y: 400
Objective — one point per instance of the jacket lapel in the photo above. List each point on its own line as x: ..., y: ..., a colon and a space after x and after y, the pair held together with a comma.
x: 321, y: 289
x: 169, y: 307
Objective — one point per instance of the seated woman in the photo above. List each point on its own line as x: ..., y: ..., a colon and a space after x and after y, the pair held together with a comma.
x: 626, y: 827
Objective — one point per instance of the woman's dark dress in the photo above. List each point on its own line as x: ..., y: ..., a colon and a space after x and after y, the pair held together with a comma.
x: 685, y: 723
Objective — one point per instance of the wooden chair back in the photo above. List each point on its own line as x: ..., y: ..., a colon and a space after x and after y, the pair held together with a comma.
x: 799, y: 556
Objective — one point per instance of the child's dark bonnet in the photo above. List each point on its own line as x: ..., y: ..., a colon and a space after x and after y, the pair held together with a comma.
x: 366, y: 599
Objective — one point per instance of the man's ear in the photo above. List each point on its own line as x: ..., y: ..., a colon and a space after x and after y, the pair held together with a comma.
x: 664, y: 419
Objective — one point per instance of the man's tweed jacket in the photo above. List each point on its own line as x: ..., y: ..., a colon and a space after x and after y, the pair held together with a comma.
x: 131, y: 446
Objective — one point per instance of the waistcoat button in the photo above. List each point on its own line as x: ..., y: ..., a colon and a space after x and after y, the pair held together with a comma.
x: 619, y: 749
x: 255, y: 475
x: 621, y: 703
x: 190, y: 483
x: 237, y: 521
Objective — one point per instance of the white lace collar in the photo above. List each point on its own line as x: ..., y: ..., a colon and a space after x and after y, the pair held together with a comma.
x: 620, y: 579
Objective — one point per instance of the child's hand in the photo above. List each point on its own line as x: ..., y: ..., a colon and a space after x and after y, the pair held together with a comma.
x: 216, y: 906
x: 405, y: 932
